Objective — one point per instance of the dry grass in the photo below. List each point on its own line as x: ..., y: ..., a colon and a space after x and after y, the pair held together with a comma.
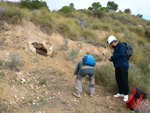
x: 10, y: 13
x: 105, y: 75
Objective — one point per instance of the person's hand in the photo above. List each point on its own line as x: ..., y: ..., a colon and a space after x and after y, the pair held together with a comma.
x: 109, y: 58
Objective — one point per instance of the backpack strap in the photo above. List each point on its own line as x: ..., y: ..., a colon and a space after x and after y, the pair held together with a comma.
x: 139, y: 100
x: 132, y: 96
x: 79, y: 66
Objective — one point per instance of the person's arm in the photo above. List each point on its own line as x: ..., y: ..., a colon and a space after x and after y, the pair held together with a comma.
x: 77, y: 68
x: 121, y: 52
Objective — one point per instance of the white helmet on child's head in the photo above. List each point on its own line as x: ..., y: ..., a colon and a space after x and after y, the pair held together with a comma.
x: 111, y: 39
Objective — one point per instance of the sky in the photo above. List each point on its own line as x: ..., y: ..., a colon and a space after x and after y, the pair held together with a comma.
x: 136, y: 6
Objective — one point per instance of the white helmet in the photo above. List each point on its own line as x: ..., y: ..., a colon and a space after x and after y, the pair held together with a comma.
x: 111, y: 38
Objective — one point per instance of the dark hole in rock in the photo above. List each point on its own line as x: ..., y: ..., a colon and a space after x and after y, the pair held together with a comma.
x: 40, y: 49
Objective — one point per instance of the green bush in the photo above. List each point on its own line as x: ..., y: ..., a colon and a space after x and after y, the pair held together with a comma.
x: 88, y: 12
x: 105, y: 27
x: 117, y: 29
x: 105, y: 75
x: 66, y: 31
x: 123, y: 19
x: 66, y: 11
x: 143, y: 64
x: 128, y: 11
x: 113, y: 16
x: 3, y: 11
x: 68, y: 27
x: 89, y: 35
x: 44, y: 20
x: 98, y: 25
x: 137, y: 79
x: 34, y: 4
x: 112, y: 6
x: 80, y: 14
x: 146, y: 50
x: 140, y: 43
x: 95, y: 26
x: 147, y: 32
x: 138, y: 30
x: 98, y: 13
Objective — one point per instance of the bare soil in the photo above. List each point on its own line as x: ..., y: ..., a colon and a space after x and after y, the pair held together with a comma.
x: 45, y: 84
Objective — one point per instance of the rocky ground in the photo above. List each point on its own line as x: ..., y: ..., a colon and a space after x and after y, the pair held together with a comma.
x: 36, y: 73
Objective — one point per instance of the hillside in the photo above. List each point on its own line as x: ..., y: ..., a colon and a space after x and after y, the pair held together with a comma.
x: 39, y: 52
x: 46, y: 83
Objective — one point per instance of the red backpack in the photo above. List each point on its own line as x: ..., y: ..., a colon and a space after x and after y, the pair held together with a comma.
x: 137, y: 99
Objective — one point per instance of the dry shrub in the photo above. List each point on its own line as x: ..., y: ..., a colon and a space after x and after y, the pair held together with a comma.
x: 10, y: 13
x: 14, y: 62
x: 105, y: 75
